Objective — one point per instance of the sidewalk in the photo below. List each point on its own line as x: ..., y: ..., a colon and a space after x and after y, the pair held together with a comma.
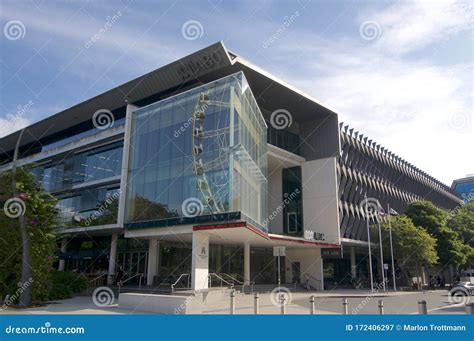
x: 328, y: 302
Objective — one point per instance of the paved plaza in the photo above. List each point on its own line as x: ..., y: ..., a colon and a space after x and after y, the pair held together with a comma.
x: 359, y: 302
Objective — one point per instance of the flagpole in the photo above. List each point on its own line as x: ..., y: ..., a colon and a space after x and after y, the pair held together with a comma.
x: 381, y: 256
x: 391, y: 249
x: 368, y: 240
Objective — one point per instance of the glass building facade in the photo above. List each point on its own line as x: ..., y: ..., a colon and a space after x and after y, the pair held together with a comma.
x: 95, y: 164
x: 465, y: 189
x: 87, y: 205
x: 199, y: 156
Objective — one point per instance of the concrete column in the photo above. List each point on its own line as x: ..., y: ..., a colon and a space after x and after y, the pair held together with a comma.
x: 112, y: 259
x: 62, y: 262
x: 311, y: 263
x: 321, y: 273
x: 353, y: 262
x: 200, y: 261
x: 247, y: 263
x: 153, y: 250
x: 125, y: 160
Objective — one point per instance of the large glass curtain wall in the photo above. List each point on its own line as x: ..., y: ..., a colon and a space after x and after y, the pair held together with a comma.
x: 198, y: 154
x: 95, y: 164
x: 89, y: 207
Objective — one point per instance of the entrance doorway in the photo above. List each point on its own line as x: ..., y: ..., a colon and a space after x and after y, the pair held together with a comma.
x: 133, y: 263
x: 296, y: 272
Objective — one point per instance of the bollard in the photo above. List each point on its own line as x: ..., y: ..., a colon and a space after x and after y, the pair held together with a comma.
x: 381, y: 307
x: 422, y: 310
x: 282, y: 301
x: 255, y: 303
x: 311, y: 305
x: 232, y: 302
x: 470, y: 308
x: 344, y: 306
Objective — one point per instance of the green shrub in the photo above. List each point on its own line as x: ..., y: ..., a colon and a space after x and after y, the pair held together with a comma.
x: 65, y: 284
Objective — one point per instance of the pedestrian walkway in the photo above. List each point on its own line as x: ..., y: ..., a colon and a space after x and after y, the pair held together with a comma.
x: 329, y: 302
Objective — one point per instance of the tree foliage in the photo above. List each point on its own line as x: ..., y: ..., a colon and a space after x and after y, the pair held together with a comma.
x: 461, y: 220
x: 41, y: 217
x: 451, y: 248
x: 412, y: 245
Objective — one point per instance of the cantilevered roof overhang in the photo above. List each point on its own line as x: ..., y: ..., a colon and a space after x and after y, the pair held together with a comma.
x: 203, y: 66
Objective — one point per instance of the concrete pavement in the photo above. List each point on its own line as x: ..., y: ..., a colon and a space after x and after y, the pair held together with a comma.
x: 359, y: 302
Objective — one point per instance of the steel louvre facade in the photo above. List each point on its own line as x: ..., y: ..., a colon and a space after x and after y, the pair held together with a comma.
x: 366, y: 169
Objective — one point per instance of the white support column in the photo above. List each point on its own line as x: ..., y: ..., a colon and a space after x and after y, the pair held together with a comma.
x: 62, y: 262
x: 353, y: 262
x: 247, y: 263
x: 112, y: 259
x: 153, y: 250
x: 125, y: 160
x: 200, y: 261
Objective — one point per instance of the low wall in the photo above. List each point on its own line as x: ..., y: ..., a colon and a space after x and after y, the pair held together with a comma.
x: 161, y: 304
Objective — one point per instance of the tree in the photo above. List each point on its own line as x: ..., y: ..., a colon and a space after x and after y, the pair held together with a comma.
x: 450, y: 247
x: 413, y: 247
x: 37, y: 209
x: 461, y: 220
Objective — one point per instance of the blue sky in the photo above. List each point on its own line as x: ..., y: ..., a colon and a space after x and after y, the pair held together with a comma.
x: 400, y: 72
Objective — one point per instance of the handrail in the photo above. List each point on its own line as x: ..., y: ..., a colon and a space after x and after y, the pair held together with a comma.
x: 177, y: 281
x: 120, y: 284
x: 130, y: 278
x: 242, y: 283
x: 221, y: 279
x: 312, y: 277
x: 96, y: 278
x: 309, y: 277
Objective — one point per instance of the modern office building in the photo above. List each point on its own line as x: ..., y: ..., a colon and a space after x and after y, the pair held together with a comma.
x: 465, y: 187
x: 207, y: 167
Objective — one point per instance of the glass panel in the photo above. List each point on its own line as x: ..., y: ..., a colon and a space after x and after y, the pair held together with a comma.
x: 96, y: 164
x: 205, y: 155
x: 91, y: 207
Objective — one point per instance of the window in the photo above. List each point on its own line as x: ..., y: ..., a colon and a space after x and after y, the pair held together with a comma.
x: 292, y: 222
x: 207, y: 145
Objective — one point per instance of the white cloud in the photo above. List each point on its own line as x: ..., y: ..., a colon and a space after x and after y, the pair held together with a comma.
x: 12, y: 123
x: 114, y: 34
x: 417, y: 108
x: 409, y: 25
